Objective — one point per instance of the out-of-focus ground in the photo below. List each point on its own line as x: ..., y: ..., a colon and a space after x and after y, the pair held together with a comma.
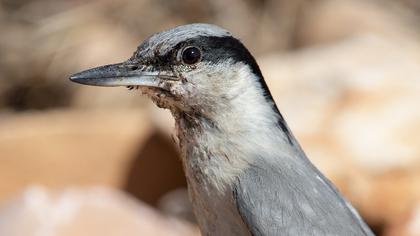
x: 345, y: 74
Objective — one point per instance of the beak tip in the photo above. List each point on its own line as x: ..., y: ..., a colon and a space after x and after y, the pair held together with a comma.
x: 74, y: 78
x: 77, y: 78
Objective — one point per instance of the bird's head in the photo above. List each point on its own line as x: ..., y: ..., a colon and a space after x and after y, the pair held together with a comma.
x: 197, y: 69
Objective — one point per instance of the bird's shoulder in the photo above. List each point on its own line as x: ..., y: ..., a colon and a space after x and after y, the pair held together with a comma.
x: 293, y: 199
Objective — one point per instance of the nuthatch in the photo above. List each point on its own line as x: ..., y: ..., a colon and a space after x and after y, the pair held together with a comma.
x: 246, y: 173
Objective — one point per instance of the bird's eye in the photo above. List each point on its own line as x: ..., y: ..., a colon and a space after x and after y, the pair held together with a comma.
x: 191, y: 55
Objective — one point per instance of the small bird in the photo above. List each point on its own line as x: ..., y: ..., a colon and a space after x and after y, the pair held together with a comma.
x: 246, y: 172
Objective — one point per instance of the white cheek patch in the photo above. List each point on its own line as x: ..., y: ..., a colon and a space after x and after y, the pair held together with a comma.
x: 245, y: 121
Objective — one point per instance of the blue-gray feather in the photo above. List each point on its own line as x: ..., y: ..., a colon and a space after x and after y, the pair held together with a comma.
x: 293, y: 200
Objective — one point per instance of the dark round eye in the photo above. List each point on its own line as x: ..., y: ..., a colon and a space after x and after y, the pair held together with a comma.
x: 191, y: 55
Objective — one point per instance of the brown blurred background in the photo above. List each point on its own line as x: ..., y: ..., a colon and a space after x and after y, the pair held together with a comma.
x: 77, y: 160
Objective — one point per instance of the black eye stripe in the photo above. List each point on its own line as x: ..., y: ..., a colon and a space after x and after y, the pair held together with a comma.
x: 191, y: 55
x: 213, y: 49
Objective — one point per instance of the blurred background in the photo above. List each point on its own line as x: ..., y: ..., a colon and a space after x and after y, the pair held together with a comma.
x: 79, y: 160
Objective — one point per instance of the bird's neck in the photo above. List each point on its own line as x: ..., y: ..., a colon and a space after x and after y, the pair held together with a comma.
x: 224, y: 142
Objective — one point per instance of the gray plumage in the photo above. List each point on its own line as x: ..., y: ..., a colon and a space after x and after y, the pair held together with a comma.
x: 246, y: 173
x: 290, y: 209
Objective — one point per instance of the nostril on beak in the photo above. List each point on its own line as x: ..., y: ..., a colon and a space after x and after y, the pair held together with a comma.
x: 134, y: 68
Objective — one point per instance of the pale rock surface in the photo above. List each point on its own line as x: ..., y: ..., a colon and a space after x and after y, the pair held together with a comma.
x: 327, y: 21
x: 362, y: 94
x: 93, y: 211
x: 409, y: 225
x: 69, y: 147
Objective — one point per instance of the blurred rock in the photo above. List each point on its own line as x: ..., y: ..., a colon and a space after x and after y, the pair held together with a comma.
x: 325, y: 21
x: 89, y: 211
x: 408, y: 225
x: 69, y: 147
x: 362, y: 92
x: 154, y: 169
x: 176, y: 203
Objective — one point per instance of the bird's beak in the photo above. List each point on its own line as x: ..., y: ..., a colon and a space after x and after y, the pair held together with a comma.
x: 121, y: 74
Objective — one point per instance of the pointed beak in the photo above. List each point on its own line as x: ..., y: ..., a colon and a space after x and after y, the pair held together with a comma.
x: 121, y: 74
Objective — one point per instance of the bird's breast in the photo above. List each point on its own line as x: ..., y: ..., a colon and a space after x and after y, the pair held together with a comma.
x: 214, y: 208
x: 210, y: 171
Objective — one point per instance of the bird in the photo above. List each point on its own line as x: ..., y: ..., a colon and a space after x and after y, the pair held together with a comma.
x: 246, y: 172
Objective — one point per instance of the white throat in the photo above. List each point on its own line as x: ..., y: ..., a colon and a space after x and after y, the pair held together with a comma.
x: 223, y: 142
